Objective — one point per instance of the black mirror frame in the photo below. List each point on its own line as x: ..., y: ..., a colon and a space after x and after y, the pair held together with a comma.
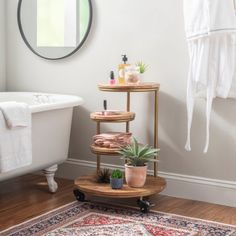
x: 48, y: 58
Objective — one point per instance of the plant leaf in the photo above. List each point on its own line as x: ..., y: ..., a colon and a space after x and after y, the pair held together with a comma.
x: 136, y: 146
x: 143, y: 150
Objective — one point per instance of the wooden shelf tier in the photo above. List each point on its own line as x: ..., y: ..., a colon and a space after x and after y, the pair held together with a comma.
x: 117, y: 118
x: 141, y: 87
x: 88, y: 185
x: 104, y: 151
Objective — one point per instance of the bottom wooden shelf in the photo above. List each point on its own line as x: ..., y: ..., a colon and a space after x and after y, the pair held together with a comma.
x: 88, y: 185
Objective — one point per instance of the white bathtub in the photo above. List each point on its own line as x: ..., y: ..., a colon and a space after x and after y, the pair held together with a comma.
x: 51, y: 125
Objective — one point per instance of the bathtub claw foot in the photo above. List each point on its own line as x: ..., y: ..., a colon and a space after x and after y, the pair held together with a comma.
x: 50, y: 173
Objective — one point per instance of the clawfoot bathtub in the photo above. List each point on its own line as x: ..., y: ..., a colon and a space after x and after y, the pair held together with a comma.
x: 51, y: 125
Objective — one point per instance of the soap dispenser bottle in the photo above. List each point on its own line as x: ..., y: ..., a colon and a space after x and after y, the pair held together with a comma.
x: 121, y: 70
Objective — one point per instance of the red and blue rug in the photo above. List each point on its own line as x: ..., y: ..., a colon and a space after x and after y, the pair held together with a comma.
x: 86, y: 219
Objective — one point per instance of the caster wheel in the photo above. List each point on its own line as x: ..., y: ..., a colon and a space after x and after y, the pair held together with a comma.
x: 79, y: 195
x: 144, y: 206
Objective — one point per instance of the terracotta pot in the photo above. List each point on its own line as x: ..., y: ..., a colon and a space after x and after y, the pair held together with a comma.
x: 135, y: 176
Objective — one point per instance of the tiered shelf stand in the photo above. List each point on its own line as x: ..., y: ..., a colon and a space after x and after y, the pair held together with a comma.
x: 154, y: 184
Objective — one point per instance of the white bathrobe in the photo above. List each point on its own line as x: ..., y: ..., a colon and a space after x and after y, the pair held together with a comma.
x: 211, y: 34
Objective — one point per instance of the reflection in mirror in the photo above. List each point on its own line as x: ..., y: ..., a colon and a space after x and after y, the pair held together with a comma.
x: 54, y: 29
x: 56, y: 23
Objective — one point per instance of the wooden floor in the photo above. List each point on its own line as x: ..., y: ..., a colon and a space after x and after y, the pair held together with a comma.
x: 27, y: 196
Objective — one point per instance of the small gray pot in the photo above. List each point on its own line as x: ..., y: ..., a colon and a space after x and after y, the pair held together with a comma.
x: 116, y: 183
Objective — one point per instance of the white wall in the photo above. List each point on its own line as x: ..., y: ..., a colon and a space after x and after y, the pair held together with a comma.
x: 2, y: 46
x: 153, y: 32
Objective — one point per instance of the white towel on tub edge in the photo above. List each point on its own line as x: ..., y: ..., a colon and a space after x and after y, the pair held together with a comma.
x: 16, y: 114
x: 15, y: 145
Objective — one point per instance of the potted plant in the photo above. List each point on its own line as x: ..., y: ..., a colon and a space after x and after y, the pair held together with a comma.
x: 116, y: 179
x: 137, y: 156
x: 103, y: 176
x: 142, y: 68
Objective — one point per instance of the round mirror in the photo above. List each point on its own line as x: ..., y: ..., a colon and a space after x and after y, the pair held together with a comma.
x: 54, y: 29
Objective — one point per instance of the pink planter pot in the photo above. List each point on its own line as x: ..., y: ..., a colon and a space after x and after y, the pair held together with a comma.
x: 135, y: 176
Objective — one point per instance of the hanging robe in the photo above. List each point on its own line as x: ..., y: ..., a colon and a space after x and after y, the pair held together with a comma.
x: 210, y: 27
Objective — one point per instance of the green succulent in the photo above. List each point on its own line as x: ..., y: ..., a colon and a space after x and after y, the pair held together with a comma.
x: 117, y: 174
x: 137, y: 154
x: 142, y: 67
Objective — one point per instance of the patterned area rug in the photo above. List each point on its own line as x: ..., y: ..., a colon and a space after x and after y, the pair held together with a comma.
x: 86, y: 219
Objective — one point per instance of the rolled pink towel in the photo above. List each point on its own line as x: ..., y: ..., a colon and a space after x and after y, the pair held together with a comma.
x: 112, y: 139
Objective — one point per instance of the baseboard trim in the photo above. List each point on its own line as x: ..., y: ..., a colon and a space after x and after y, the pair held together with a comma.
x: 184, y: 186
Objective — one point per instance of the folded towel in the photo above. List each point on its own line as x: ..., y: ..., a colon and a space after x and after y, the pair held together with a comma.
x: 15, y: 142
x: 112, y: 139
x: 16, y: 114
x: 211, y: 33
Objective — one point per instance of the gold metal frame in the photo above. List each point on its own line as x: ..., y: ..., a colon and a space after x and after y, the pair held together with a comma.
x: 145, y: 87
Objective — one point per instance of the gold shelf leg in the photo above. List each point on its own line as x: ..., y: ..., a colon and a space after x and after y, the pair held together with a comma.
x: 128, y: 109
x: 98, y: 156
x: 98, y: 128
x: 98, y: 163
x: 156, y: 129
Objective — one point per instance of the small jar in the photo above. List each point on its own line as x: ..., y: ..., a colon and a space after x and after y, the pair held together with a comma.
x: 132, y: 75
